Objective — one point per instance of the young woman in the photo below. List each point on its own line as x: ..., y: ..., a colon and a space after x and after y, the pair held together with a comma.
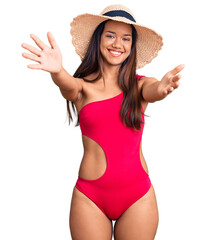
x: 110, y: 98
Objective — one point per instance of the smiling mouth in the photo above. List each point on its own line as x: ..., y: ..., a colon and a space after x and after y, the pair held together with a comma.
x: 115, y: 53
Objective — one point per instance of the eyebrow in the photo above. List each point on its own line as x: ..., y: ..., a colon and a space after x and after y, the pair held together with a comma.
x: 115, y: 33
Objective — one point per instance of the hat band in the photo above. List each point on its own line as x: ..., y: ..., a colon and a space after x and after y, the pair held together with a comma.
x: 119, y: 13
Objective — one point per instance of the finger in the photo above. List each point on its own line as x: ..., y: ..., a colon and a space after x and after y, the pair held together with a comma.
x: 31, y: 57
x: 34, y: 66
x: 176, y: 78
x: 165, y: 92
x: 170, y: 89
x: 176, y: 84
x: 38, y: 41
x: 177, y: 69
x: 31, y: 49
x: 52, y: 40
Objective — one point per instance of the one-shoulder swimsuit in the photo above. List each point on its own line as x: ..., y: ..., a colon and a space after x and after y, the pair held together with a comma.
x: 124, y: 181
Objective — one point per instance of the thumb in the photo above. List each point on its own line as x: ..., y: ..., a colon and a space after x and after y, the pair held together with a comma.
x: 177, y: 69
x: 52, y: 40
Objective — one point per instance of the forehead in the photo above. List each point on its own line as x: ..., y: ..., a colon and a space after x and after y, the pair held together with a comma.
x: 118, y: 27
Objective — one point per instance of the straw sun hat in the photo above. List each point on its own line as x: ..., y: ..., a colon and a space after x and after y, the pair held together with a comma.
x: 82, y: 27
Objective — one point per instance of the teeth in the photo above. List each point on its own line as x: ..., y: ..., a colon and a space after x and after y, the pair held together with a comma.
x: 115, y: 53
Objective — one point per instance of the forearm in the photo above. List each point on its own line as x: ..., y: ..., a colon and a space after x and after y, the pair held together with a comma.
x: 154, y: 90
x: 63, y: 80
x: 151, y: 92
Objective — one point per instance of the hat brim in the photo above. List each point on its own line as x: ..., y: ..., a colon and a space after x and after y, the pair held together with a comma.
x: 148, y: 44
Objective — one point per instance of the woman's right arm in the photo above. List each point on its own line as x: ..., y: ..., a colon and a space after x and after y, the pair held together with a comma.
x: 69, y: 86
x: 50, y: 60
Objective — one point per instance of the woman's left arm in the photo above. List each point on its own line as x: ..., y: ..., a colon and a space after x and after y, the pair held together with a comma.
x: 154, y: 90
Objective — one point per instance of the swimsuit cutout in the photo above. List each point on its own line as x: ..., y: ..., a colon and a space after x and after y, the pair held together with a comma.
x: 124, y: 180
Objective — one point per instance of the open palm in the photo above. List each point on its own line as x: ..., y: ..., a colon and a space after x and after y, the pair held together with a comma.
x: 49, y: 59
x: 170, y: 81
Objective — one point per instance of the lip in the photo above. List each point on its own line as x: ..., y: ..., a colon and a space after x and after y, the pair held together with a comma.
x: 115, y: 53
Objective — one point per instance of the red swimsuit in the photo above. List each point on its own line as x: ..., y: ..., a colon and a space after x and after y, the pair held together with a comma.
x: 125, y: 180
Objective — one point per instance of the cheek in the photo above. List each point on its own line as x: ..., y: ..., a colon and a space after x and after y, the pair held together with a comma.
x: 105, y: 42
x: 101, y: 47
x: 128, y: 48
x: 102, y: 44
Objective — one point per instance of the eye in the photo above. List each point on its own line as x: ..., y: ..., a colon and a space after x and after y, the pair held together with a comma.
x: 126, y: 39
x: 110, y: 36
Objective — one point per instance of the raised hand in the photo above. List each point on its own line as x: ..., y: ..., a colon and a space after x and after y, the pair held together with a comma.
x: 170, y: 81
x: 49, y: 59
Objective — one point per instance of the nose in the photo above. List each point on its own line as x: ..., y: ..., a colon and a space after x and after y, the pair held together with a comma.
x: 117, y: 43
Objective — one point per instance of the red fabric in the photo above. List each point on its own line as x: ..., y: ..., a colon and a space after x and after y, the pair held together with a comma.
x: 125, y: 180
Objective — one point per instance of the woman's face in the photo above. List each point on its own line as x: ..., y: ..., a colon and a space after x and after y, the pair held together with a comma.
x: 116, y: 42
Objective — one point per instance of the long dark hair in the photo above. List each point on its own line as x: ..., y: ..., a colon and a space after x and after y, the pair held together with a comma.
x: 93, y: 61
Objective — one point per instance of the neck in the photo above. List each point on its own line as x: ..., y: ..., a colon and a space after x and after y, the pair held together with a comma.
x: 111, y: 74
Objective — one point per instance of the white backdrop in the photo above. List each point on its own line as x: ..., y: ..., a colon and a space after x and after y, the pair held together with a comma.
x: 40, y: 153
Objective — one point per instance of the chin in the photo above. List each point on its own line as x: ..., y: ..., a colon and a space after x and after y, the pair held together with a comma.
x: 114, y: 62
